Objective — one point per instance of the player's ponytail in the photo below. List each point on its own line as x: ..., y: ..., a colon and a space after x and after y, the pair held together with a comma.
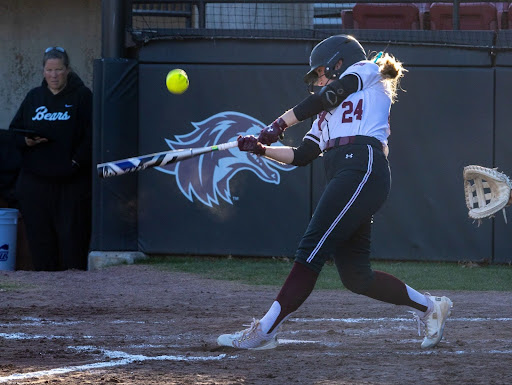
x: 392, y: 72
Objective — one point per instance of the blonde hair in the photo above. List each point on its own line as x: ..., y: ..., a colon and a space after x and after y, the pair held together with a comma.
x: 392, y: 72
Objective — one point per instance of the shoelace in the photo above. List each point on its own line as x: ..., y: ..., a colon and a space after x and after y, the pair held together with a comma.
x: 418, y: 319
x: 248, y: 331
x: 423, y: 321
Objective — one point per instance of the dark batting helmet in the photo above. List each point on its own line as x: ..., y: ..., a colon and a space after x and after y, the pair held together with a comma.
x: 329, y: 51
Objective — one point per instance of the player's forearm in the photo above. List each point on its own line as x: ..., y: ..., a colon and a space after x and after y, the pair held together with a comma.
x: 282, y: 154
x: 289, y: 118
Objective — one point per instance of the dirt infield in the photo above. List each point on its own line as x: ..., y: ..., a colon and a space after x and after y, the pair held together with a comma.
x: 136, y: 325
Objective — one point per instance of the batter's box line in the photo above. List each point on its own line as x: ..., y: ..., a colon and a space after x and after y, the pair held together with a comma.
x: 399, y: 319
x: 119, y: 358
x: 32, y: 321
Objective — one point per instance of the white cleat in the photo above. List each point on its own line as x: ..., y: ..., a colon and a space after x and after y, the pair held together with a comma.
x: 251, y: 338
x: 434, y: 320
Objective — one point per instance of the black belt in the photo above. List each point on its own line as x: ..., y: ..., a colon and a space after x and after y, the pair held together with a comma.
x: 357, y: 139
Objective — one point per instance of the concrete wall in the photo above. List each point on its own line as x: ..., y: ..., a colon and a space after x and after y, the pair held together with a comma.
x: 27, y: 27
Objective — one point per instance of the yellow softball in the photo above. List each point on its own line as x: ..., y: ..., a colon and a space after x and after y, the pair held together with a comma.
x: 177, y: 81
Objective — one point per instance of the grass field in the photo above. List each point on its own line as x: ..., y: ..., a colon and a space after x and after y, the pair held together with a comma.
x: 269, y: 271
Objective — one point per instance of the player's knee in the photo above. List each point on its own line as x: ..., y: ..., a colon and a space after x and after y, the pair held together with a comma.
x: 356, y: 281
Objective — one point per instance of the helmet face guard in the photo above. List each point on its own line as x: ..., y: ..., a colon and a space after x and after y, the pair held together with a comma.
x: 329, y: 52
x: 311, y: 77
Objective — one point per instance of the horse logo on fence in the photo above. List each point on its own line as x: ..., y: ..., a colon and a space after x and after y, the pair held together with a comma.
x: 206, y: 178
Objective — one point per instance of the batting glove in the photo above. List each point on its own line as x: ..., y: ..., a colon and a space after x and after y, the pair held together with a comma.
x: 273, y: 132
x: 249, y: 143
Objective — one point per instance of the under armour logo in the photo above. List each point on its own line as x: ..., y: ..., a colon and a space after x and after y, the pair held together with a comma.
x: 349, y: 156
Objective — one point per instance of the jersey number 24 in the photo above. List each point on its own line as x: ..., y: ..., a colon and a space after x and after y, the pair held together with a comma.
x: 350, y: 112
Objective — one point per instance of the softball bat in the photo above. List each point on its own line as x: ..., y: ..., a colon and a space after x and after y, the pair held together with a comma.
x: 139, y: 163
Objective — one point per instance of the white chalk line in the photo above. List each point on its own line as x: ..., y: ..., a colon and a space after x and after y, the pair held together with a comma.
x: 284, y: 341
x: 43, y: 322
x: 398, y: 319
x: 419, y: 352
x: 433, y: 352
x: 32, y: 321
x: 120, y: 358
x: 25, y: 336
x: 117, y: 358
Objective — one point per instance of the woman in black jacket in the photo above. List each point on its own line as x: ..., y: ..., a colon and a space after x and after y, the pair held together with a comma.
x: 54, y: 126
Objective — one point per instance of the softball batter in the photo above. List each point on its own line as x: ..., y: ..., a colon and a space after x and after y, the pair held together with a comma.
x: 350, y: 132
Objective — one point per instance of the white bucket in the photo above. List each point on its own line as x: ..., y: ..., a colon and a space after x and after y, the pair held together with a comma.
x: 8, y: 230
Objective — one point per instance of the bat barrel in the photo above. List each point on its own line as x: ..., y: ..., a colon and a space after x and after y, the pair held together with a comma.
x: 135, y: 164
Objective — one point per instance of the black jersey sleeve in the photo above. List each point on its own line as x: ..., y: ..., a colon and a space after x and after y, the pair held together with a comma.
x: 329, y: 97
x: 305, y: 153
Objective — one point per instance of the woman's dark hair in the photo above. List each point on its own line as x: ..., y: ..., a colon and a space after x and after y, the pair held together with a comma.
x: 56, y: 53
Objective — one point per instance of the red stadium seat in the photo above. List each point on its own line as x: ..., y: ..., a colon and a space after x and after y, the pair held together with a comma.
x: 386, y: 16
x: 472, y: 16
x: 347, y: 19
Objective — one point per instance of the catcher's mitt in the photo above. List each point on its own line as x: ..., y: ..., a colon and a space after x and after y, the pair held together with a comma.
x: 487, y: 191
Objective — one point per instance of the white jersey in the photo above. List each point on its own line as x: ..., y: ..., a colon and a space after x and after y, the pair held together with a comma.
x: 364, y: 112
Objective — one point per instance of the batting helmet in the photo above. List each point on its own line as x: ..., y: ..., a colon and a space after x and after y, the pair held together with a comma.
x: 329, y: 51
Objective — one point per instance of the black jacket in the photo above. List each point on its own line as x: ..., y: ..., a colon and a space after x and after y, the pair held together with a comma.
x: 10, y: 163
x: 65, y: 120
